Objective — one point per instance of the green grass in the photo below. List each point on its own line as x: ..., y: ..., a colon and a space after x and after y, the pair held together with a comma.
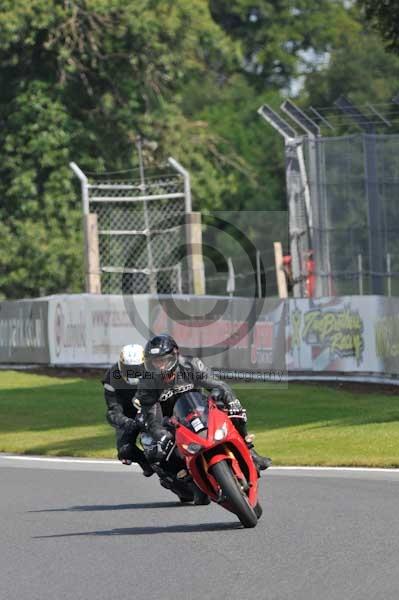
x: 295, y: 424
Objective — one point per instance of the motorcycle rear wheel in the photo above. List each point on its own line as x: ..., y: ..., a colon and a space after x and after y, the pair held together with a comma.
x: 233, y: 494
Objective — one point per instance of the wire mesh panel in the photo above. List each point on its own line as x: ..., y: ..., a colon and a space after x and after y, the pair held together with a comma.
x: 355, y: 193
x: 141, y: 229
x: 243, y: 241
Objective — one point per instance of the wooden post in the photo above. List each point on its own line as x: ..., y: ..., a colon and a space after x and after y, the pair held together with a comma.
x: 281, y: 280
x: 194, y: 251
x: 92, y: 257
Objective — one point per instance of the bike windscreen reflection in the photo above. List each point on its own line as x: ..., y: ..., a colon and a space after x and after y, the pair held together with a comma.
x: 191, y: 409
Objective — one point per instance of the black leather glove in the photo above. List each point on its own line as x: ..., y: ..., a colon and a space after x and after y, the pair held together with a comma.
x: 218, y: 396
x: 160, y: 448
x: 130, y: 425
x: 140, y: 421
x: 164, y: 445
x: 234, y: 407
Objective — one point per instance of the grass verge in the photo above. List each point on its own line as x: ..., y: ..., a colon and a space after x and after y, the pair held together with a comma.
x: 296, y: 425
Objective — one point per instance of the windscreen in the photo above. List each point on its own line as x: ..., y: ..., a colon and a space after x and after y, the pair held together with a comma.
x: 191, y: 409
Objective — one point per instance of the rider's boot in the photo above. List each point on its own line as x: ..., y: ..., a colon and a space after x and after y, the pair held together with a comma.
x: 129, y: 453
x: 183, y: 495
x: 261, y: 462
x: 200, y: 498
x: 146, y: 467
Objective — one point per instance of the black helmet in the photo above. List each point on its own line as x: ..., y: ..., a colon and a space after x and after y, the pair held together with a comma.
x: 161, y: 354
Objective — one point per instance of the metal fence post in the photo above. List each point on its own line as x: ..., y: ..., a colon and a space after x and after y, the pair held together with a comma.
x: 196, y: 273
x: 297, y: 207
x: 311, y: 186
x: 187, y: 183
x: 389, y: 275
x: 360, y: 273
x: 258, y: 274
x: 84, y: 185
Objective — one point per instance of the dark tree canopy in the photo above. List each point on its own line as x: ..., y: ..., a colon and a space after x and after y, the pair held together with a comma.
x: 79, y: 79
x: 384, y: 14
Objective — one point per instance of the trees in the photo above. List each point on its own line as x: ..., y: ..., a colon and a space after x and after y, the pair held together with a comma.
x: 79, y: 80
x: 359, y: 68
x: 384, y: 14
x: 281, y: 40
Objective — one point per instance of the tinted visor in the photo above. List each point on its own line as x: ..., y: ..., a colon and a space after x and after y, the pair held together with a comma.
x: 130, y: 373
x: 161, y: 364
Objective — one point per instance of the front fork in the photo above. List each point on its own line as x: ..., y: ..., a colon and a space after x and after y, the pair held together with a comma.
x: 225, y: 455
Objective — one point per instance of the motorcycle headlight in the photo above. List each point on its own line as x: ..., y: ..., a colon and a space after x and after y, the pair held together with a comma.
x: 221, y: 433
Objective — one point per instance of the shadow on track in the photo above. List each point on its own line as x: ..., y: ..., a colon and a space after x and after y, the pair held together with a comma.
x: 103, y: 507
x: 199, y: 528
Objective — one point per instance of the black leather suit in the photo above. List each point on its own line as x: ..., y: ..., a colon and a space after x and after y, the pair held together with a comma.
x: 121, y: 413
x: 157, y: 397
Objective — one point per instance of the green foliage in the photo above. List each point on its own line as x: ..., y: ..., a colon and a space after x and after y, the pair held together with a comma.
x: 79, y: 79
x: 359, y: 68
x: 384, y: 15
x: 280, y: 40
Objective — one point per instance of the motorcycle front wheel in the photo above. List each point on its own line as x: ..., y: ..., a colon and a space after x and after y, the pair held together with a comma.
x: 233, y: 493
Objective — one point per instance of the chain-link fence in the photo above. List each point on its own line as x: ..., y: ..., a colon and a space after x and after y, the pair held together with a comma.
x: 354, y: 189
x: 141, y: 230
x: 239, y: 254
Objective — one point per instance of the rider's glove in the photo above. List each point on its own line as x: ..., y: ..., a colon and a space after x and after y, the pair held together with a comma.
x: 164, y: 445
x: 130, y: 426
x: 219, y: 397
x: 140, y: 421
x: 234, y: 407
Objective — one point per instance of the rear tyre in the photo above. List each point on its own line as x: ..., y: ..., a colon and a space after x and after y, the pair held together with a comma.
x: 234, y: 495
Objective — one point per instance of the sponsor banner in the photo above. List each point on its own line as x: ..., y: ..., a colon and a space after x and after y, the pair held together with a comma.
x: 23, y: 332
x: 386, y: 334
x: 91, y: 329
x: 237, y: 334
x: 333, y: 334
x: 353, y: 334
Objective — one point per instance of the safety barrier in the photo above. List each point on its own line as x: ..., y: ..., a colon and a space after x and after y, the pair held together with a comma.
x: 356, y: 335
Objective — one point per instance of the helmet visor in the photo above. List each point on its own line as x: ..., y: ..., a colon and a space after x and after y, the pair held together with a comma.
x: 162, y: 364
x: 130, y: 373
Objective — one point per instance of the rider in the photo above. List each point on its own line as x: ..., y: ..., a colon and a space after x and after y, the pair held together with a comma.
x: 168, y: 374
x: 120, y: 385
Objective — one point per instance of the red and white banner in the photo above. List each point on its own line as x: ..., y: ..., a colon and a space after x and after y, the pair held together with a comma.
x: 350, y: 334
x: 91, y: 329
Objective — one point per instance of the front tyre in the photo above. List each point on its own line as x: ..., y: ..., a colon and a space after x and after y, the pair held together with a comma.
x: 233, y: 493
x: 258, y: 510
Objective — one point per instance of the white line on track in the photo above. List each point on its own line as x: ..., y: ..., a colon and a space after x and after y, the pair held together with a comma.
x: 66, y: 463
x: 93, y: 461
x: 354, y: 469
x: 96, y: 461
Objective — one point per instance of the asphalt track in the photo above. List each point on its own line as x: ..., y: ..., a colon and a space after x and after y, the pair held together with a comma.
x: 78, y: 530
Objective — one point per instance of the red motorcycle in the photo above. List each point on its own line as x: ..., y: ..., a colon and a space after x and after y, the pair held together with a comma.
x: 216, y: 456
